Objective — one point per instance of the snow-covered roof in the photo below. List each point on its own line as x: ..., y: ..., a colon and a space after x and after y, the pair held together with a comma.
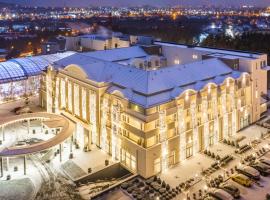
x: 118, y: 54
x: 148, y: 88
x: 232, y: 53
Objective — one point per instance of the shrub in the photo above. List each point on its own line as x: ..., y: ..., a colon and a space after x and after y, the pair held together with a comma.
x: 106, y: 162
x: 163, y: 184
x: 130, y: 189
x: 89, y: 170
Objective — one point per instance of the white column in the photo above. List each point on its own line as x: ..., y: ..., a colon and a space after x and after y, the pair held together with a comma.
x: 182, y: 134
x: 56, y: 100
x: 77, y: 100
x: 93, y: 119
x: 79, y: 135
x: 116, y: 142
x: 49, y: 89
x: 234, y: 111
x: 193, y: 111
x: 225, y: 114
x: 205, y: 122
x: 63, y: 93
x: 105, y: 108
x: 216, y: 121
x: 84, y: 114
x: 70, y: 94
x: 163, y: 139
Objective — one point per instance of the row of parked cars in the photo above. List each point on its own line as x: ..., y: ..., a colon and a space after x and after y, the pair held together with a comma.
x: 246, y: 176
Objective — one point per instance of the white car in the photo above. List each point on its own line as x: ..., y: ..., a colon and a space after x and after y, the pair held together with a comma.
x: 220, y: 194
x: 249, y: 172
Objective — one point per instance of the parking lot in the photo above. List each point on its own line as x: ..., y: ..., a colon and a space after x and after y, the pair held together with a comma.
x: 192, y: 171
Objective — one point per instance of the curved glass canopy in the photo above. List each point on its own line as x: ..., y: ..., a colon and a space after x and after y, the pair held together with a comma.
x: 22, y: 68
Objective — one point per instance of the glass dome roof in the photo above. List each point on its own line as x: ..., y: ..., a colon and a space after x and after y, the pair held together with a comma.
x: 22, y: 68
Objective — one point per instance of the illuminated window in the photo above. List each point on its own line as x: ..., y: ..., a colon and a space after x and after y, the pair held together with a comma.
x: 177, y: 61
x: 194, y: 56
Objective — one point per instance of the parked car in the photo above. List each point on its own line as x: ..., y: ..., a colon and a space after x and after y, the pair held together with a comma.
x: 262, y: 168
x: 231, y: 189
x: 23, y: 110
x: 220, y: 194
x: 265, y: 161
x: 249, y: 172
x: 242, y: 180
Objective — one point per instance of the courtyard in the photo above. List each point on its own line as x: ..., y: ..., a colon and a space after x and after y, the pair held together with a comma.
x: 48, y: 173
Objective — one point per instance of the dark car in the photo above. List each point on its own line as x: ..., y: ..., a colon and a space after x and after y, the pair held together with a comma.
x: 265, y: 161
x: 249, y: 172
x: 262, y: 168
x: 231, y: 189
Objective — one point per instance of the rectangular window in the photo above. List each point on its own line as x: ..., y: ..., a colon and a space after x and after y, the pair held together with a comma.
x: 157, y: 166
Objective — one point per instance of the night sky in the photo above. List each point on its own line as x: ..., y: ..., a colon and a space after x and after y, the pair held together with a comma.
x: 81, y: 3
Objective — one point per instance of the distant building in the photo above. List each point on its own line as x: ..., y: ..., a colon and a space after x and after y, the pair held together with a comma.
x: 103, y: 42
x: 3, y: 54
x: 95, y: 42
x: 54, y: 45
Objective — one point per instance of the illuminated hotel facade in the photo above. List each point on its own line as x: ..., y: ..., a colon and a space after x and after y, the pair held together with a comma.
x: 152, y: 107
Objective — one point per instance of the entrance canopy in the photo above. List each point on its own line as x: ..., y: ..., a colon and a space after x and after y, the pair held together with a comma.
x: 53, y: 120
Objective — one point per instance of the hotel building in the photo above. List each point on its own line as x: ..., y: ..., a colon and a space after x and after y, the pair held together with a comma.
x: 151, y: 107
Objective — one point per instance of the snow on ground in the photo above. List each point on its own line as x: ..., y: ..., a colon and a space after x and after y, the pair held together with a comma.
x: 192, y: 167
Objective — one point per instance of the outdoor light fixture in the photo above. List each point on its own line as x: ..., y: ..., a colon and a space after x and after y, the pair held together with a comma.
x: 187, y: 96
